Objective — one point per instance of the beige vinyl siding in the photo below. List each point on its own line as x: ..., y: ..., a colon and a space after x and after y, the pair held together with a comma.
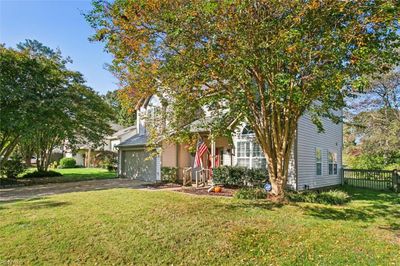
x: 169, y: 156
x: 308, y: 140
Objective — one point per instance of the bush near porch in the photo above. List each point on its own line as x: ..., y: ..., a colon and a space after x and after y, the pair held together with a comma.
x: 169, y: 174
x: 234, y: 176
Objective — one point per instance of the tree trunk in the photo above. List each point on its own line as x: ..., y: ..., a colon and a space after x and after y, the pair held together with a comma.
x: 276, y: 140
x: 278, y: 170
x: 48, y: 158
x: 28, y: 158
x: 6, y: 151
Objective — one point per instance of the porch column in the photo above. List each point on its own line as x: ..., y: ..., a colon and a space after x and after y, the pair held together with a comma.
x: 212, y: 153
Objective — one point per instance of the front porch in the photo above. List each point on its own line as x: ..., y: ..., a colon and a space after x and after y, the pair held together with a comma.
x: 219, y: 152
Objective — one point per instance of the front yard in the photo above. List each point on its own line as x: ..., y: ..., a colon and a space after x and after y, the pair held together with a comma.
x: 78, y: 174
x: 68, y: 175
x: 125, y: 226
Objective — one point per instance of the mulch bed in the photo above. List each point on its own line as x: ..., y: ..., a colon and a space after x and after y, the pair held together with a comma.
x: 161, y: 185
x: 10, y: 182
x: 226, y: 192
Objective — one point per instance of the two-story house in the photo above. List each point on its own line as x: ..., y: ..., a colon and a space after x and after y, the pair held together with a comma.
x: 316, y: 159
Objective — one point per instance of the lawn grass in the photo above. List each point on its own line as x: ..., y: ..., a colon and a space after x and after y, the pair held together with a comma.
x: 76, y: 174
x: 70, y: 175
x: 125, y: 226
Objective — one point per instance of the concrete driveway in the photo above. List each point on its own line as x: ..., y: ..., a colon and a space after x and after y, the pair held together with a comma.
x: 9, y: 194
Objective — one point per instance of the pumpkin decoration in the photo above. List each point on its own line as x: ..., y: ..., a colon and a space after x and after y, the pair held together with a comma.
x: 218, y: 189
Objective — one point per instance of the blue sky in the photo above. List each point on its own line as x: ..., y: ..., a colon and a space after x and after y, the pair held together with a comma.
x: 58, y: 23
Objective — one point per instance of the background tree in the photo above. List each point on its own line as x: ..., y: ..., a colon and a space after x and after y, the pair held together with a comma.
x: 20, y: 75
x: 123, y: 115
x: 54, y: 105
x: 267, y: 62
x: 372, y: 136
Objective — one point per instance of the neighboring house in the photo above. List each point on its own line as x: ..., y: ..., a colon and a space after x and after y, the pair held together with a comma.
x: 119, y: 136
x: 316, y: 159
x: 85, y: 151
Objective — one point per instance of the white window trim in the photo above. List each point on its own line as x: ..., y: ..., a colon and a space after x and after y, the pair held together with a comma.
x: 321, y: 161
x: 251, y: 142
x: 333, y: 163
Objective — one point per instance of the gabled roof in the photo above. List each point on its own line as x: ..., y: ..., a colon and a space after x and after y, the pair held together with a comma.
x: 134, y: 141
x: 122, y: 132
x: 115, y: 127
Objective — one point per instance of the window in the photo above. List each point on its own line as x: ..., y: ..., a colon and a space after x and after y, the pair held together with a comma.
x: 243, y: 153
x: 248, y: 151
x: 318, y: 161
x: 332, y: 163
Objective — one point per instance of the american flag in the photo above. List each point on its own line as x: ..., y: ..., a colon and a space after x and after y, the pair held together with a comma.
x: 201, y: 149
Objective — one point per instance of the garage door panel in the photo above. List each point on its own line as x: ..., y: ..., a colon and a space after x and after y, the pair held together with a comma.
x: 136, y: 165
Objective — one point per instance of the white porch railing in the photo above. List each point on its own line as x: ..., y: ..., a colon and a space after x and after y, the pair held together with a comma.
x: 187, y: 176
x: 202, y: 177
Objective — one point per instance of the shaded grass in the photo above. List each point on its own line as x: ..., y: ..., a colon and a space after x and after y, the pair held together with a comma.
x: 123, y: 226
x: 70, y: 175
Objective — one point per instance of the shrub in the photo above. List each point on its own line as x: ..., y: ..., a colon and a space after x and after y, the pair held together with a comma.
x: 333, y: 197
x: 67, y: 163
x: 169, y: 174
x: 12, y: 167
x: 54, y: 165
x: 251, y: 193
x: 37, y: 174
x: 111, y: 168
x: 108, y: 160
x: 239, y: 176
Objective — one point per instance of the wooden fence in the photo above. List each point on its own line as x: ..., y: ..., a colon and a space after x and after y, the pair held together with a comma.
x: 374, y: 179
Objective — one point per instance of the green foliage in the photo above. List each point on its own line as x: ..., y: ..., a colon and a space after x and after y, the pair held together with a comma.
x: 12, y: 167
x: 393, y: 166
x: 39, y: 174
x: 169, y: 174
x: 108, y: 160
x: 67, y: 163
x: 266, y: 63
x: 366, y: 161
x: 44, y: 104
x: 54, y: 165
x: 372, y: 135
x: 251, y: 193
x: 233, y: 176
x: 122, y: 115
x: 332, y: 197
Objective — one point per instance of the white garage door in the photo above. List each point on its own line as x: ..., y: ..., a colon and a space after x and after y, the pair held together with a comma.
x: 135, y: 165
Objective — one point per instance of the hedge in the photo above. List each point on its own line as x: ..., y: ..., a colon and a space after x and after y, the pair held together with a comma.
x: 234, y: 176
x: 67, y: 163
x: 169, y: 174
x: 38, y: 174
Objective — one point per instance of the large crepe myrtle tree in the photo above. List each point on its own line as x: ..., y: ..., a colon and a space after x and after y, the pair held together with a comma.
x: 265, y: 62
